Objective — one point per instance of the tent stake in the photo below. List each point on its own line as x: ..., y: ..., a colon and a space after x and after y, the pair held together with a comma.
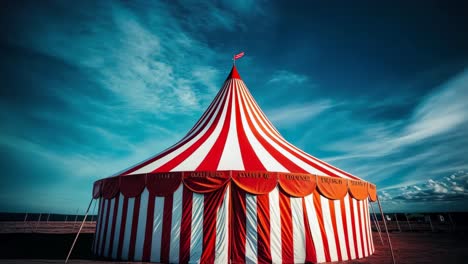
x: 377, y: 225
x: 386, y: 229
x: 79, y: 230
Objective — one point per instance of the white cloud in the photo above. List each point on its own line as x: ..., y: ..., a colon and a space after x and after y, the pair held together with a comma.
x: 297, y: 113
x: 287, y: 78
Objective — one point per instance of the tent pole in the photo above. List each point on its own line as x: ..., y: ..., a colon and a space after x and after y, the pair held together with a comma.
x: 79, y: 230
x: 407, y: 220
x: 377, y: 226
x: 398, y: 224
x: 386, y: 230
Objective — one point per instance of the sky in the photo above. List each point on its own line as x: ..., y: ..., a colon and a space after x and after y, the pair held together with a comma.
x: 89, y: 88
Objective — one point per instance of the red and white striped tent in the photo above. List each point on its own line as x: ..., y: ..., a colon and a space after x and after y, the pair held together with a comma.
x: 233, y: 190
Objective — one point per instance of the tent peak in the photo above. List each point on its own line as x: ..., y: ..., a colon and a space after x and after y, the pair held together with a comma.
x: 234, y: 74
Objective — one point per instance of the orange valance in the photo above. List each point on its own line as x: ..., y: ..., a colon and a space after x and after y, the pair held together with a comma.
x: 297, y: 184
x: 331, y: 187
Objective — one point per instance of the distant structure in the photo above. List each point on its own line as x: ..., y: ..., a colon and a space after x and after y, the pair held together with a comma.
x: 233, y: 190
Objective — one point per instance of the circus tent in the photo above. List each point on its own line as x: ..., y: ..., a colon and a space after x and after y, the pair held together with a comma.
x: 233, y: 190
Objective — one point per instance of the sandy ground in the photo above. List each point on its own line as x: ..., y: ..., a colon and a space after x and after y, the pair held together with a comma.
x: 408, y: 247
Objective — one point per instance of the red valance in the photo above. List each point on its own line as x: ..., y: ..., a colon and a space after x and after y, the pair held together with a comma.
x: 132, y: 185
x: 163, y: 184
x: 358, y: 189
x: 205, y: 181
x: 333, y: 188
x: 255, y: 182
x: 296, y: 184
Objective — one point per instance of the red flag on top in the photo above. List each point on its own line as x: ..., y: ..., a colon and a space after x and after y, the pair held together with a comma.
x: 238, y: 56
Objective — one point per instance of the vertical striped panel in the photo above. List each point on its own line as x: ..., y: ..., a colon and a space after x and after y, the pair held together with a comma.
x: 110, y: 217
x: 275, y: 226
x: 357, y: 227
x: 157, y: 229
x: 98, y: 224
x: 140, y: 235
x: 175, y: 226
x: 299, y: 241
x: 103, y: 226
x: 340, y: 230
x: 314, y: 225
x: 196, y: 242
x: 330, y: 234
x: 363, y: 228
x: 128, y: 229
x: 117, y: 227
x: 251, y: 229
x: 350, y: 227
x: 222, y: 232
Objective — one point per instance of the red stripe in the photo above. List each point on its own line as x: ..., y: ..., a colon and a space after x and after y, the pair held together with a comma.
x: 211, y: 160
x: 182, y: 156
x: 318, y: 211
x: 135, y: 216
x: 101, y: 250
x: 186, y: 226
x: 345, y: 226
x: 263, y: 229
x: 249, y: 157
x: 335, y: 228
x: 288, y: 164
x: 98, y: 226
x: 208, y: 111
x: 363, y: 238
x: 212, y: 203
x: 238, y: 225
x: 311, y: 254
x: 122, y: 227
x: 149, y: 228
x: 256, y: 108
x: 287, y: 247
x: 366, y: 213
x: 114, y: 220
x: 353, y: 223
x: 175, y: 146
x: 166, y: 229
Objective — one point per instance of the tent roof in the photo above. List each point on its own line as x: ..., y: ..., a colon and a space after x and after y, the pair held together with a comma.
x: 234, y: 134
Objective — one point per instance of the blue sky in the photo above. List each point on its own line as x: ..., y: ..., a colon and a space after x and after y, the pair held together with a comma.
x: 88, y: 89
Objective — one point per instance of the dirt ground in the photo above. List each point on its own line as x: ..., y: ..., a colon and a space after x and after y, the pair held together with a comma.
x: 408, y: 248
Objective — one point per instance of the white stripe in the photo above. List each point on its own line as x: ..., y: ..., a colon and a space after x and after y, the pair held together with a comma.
x: 118, y: 221
x: 363, y: 227
x: 231, y: 159
x: 368, y: 227
x: 175, y: 226
x: 327, y: 222
x: 340, y: 230
x: 222, y: 235
x: 192, y: 161
x: 287, y: 154
x: 270, y: 163
x: 294, y: 149
x: 98, y: 224
x: 140, y: 235
x: 196, y: 238
x: 275, y: 226
x: 159, y: 162
x: 109, y: 227
x: 128, y: 228
x: 157, y: 229
x: 315, y: 228
x: 251, y: 228
x: 349, y: 225
x: 103, y: 226
x: 358, y: 227
x: 299, y: 239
